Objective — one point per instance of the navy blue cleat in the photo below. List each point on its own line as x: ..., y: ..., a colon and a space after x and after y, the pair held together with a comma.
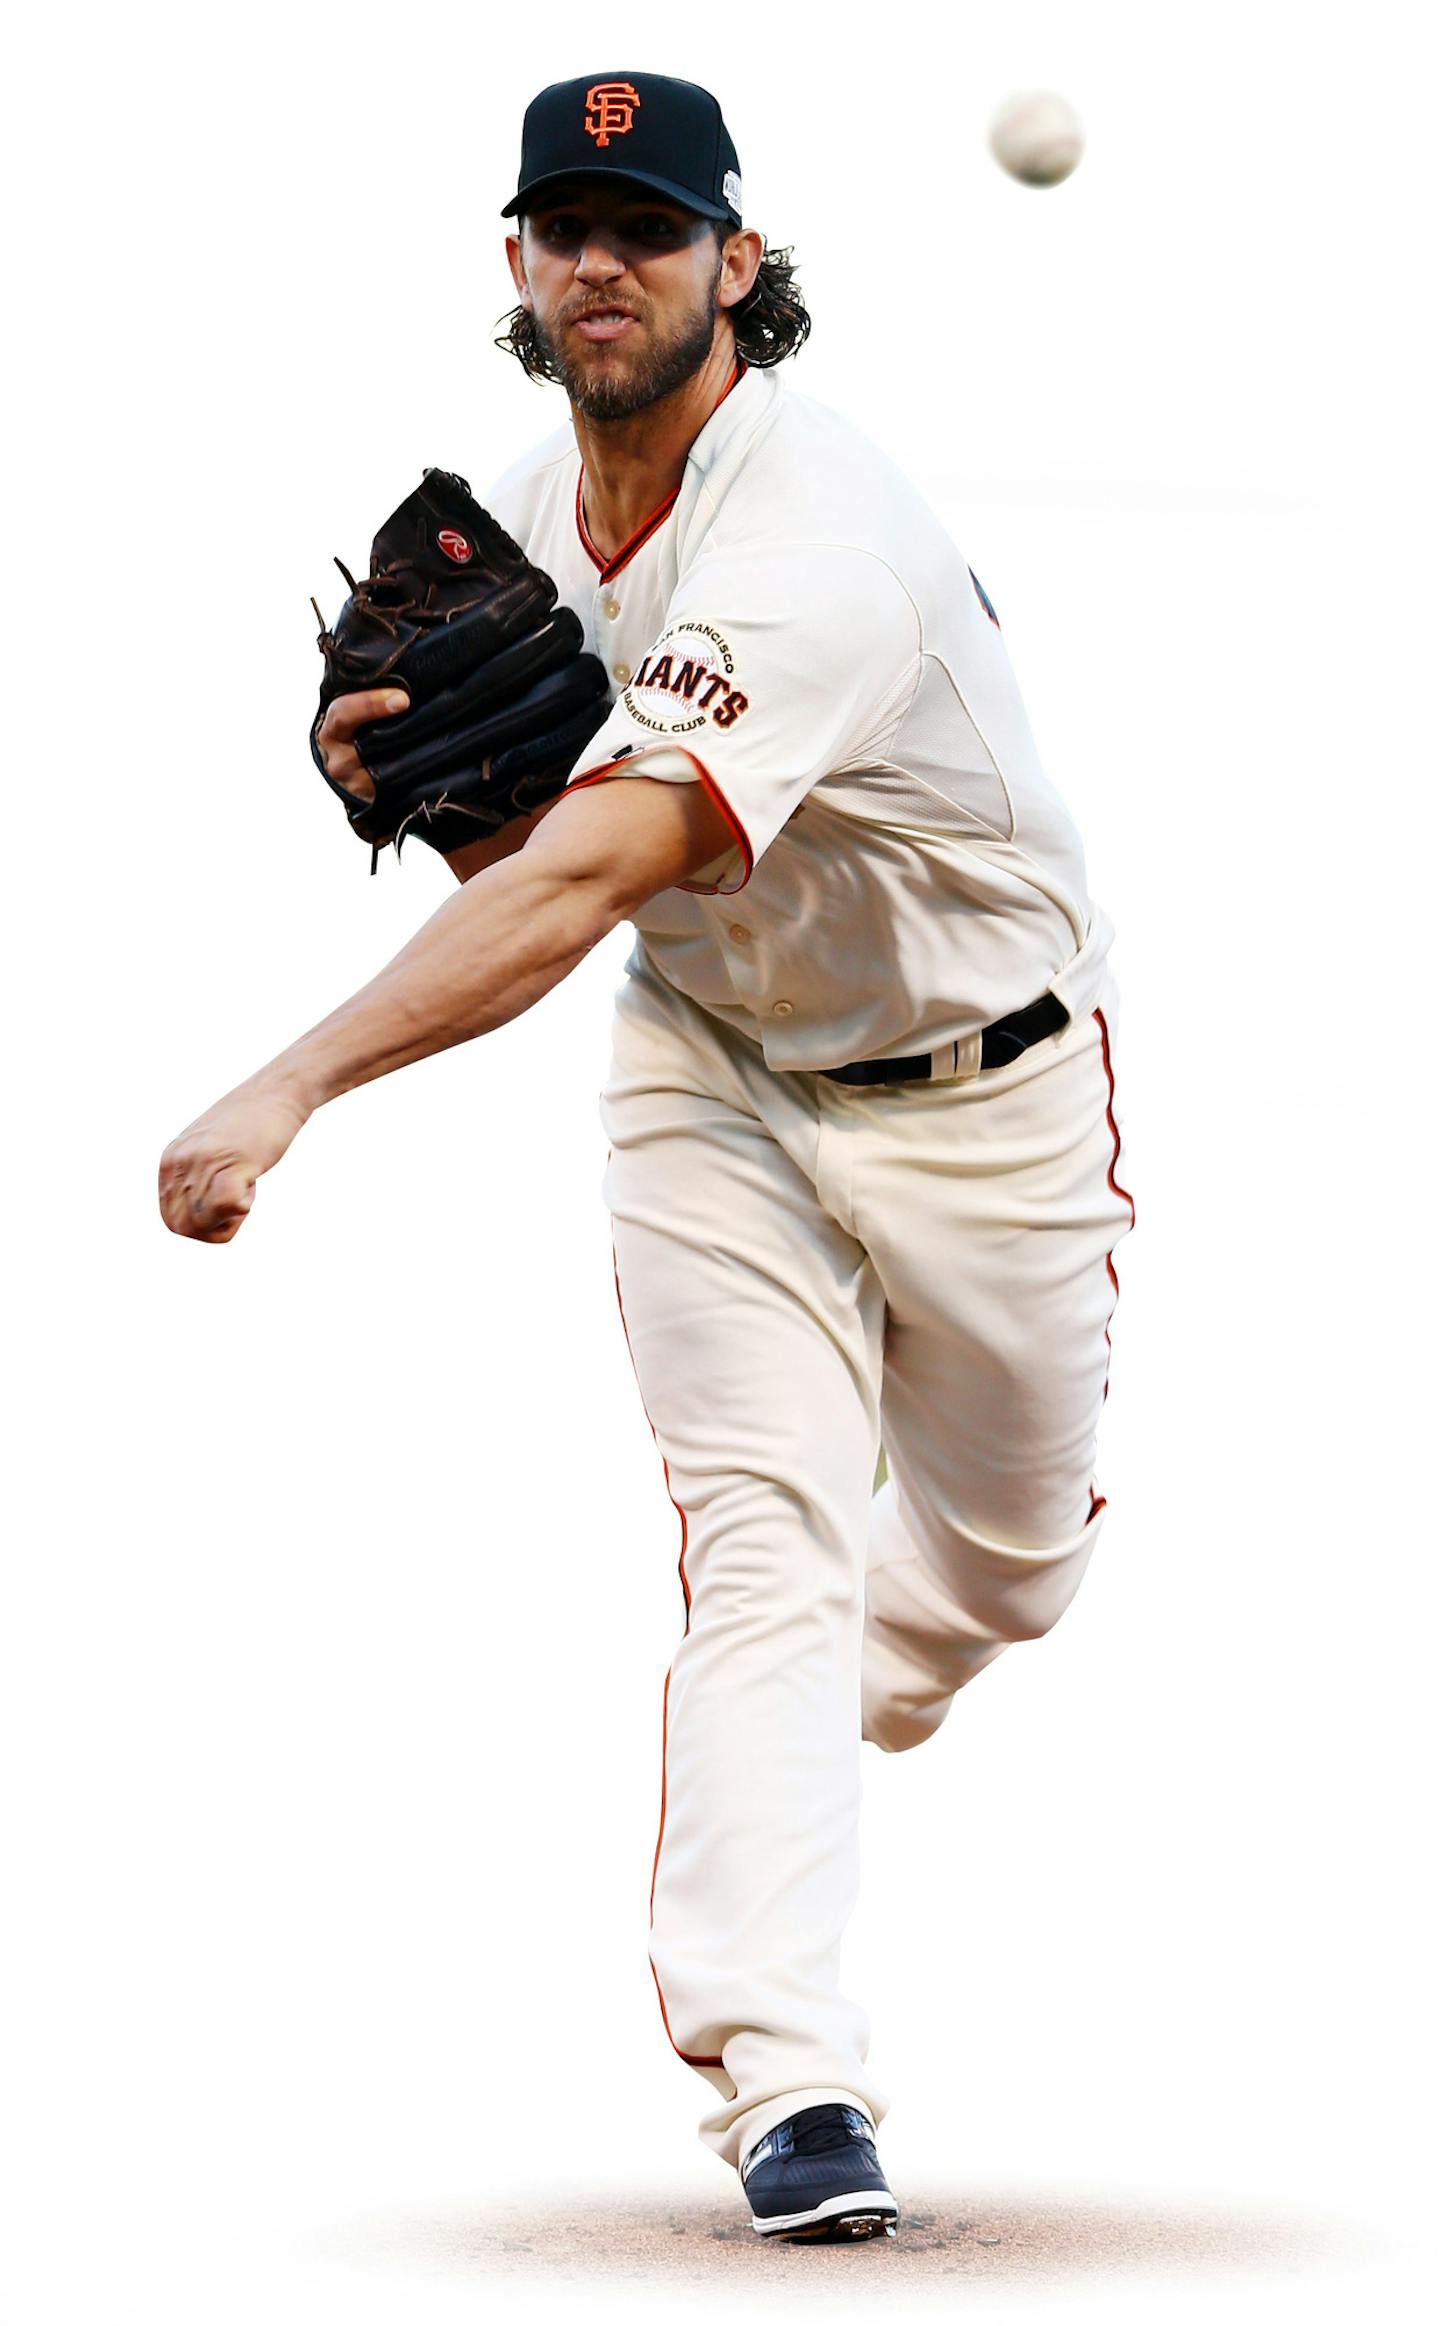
x: 816, y: 2176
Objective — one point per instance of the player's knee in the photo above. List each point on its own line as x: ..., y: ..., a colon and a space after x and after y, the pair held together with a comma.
x: 1019, y: 1593
x: 1030, y: 1611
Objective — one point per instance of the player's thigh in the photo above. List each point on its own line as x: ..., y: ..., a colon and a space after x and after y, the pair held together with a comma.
x: 753, y: 1320
x: 994, y: 1251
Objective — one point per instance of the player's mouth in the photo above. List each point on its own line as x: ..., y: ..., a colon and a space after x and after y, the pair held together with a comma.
x: 603, y: 323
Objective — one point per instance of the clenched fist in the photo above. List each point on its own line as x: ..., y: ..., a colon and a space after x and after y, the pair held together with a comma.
x: 208, y: 1174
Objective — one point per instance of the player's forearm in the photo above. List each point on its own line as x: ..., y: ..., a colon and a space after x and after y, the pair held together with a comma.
x: 509, y: 935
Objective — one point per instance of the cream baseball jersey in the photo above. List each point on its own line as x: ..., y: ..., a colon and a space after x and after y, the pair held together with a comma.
x: 795, y: 630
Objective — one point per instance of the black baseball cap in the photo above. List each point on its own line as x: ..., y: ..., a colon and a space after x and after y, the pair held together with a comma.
x: 641, y: 126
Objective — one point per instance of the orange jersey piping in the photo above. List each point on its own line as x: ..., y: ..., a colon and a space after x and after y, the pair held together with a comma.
x: 1123, y: 1192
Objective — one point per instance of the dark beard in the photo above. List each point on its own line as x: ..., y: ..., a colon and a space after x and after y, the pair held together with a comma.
x: 666, y: 367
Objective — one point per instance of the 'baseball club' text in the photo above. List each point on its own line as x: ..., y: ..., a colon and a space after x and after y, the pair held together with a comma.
x: 684, y: 681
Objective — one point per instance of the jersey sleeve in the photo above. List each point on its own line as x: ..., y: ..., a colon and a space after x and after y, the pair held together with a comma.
x: 775, y: 667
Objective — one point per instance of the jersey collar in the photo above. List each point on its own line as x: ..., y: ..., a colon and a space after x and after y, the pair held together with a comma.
x: 609, y: 567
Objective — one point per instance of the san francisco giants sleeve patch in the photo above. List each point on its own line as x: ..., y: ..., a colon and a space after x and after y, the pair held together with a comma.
x: 686, y: 682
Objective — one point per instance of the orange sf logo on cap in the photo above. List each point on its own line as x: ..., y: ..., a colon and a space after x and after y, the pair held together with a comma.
x: 610, y: 110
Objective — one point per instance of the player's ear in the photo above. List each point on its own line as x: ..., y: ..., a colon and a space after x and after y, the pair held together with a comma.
x: 517, y: 269
x: 740, y: 256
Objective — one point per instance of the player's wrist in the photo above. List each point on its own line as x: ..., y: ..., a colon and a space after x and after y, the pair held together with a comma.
x: 294, y: 1082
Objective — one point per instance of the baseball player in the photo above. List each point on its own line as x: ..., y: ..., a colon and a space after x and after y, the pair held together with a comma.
x: 865, y: 1170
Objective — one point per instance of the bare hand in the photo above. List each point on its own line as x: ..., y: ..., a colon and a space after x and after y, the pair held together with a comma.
x: 208, y: 1174
x: 335, y: 740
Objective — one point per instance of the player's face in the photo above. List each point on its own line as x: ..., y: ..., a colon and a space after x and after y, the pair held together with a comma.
x: 622, y: 285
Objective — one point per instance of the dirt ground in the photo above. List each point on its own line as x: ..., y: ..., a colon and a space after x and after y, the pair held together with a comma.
x: 936, y: 2240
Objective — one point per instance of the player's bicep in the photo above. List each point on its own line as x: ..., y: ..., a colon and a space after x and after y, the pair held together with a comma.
x: 630, y: 839
x: 474, y: 856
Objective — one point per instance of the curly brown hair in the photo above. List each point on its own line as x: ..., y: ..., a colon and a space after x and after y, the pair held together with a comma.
x: 770, y: 322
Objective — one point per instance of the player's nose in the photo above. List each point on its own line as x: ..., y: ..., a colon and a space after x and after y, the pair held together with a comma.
x: 599, y: 261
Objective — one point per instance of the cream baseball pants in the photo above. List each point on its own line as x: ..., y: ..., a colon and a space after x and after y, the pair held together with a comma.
x: 806, y: 1270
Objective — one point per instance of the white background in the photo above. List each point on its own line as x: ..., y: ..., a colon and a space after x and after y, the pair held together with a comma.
x: 341, y: 1572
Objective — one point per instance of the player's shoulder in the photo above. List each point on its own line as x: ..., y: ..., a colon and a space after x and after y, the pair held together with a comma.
x: 520, y: 496
x: 809, y: 473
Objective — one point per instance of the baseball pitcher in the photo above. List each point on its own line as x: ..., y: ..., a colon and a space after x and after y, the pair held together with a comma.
x: 704, y: 661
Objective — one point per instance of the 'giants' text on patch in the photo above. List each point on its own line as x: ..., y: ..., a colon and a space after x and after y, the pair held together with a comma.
x: 685, y: 682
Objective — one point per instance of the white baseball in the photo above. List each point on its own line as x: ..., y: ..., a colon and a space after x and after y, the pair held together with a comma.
x: 1037, y: 137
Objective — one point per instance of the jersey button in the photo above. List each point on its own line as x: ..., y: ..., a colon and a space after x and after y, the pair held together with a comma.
x: 782, y: 1009
x: 739, y: 934
x: 610, y: 608
x: 622, y: 674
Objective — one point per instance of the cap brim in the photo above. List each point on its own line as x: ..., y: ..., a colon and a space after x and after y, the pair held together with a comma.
x: 680, y: 194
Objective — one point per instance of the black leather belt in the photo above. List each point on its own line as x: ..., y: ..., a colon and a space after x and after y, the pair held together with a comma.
x: 998, y: 1045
